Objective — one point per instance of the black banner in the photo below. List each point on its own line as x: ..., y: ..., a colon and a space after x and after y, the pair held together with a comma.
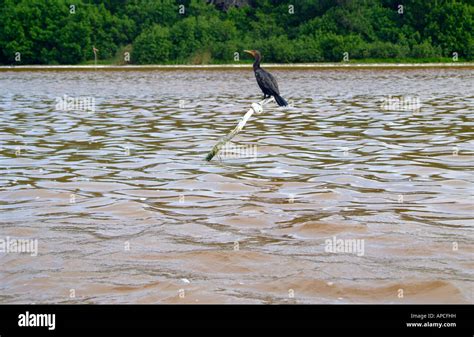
x: 236, y: 320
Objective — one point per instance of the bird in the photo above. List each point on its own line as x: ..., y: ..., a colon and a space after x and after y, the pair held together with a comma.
x: 265, y: 80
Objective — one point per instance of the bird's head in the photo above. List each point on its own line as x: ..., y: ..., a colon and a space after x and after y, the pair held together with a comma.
x: 254, y: 53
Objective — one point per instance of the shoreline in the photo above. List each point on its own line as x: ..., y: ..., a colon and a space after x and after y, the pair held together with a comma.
x: 240, y: 66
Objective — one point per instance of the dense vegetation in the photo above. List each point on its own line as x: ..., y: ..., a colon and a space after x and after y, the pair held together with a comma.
x: 157, y: 31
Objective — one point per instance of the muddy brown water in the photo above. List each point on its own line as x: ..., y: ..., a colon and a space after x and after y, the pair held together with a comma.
x: 125, y: 210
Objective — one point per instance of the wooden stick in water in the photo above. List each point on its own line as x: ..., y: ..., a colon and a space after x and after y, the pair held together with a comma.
x: 257, y: 108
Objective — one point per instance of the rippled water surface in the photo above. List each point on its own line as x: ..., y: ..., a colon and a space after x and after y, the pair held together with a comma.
x: 126, y: 210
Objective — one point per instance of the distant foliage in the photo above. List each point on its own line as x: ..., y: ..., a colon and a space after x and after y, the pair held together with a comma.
x: 193, y: 31
x: 153, y: 45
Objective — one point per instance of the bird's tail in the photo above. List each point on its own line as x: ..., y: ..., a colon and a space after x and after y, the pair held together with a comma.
x: 280, y: 100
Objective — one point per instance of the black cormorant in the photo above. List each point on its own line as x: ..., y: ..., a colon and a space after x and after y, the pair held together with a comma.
x: 265, y: 80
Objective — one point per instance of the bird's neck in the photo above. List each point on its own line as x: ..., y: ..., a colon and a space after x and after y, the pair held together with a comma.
x: 256, y: 64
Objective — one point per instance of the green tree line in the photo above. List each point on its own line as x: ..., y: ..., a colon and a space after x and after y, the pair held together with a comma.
x: 193, y: 31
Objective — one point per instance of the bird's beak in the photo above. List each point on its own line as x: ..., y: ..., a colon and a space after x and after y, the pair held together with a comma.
x: 249, y: 52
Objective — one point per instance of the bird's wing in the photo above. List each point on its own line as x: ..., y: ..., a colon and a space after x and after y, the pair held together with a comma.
x: 274, y: 83
x: 265, y: 79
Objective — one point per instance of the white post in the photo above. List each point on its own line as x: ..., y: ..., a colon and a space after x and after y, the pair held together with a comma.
x: 95, y: 55
x: 257, y: 108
